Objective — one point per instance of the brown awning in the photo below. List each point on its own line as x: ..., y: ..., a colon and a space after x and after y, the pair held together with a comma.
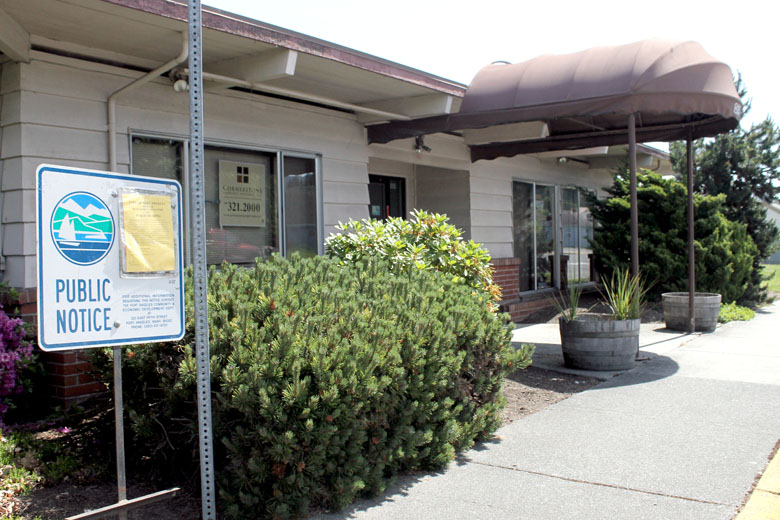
x: 584, y: 98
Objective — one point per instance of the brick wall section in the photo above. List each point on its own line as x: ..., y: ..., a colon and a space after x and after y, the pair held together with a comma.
x: 67, y: 371
x: 525, y: 305
x: 28, y: 305
x: 506, y: 273
x: 68, y: 377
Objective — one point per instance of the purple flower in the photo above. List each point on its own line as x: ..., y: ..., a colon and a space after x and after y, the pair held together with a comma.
x: 15, y: 353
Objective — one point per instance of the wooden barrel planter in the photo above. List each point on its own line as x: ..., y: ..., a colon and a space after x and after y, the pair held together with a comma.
x: 599, y: 342
x: 706, y: 309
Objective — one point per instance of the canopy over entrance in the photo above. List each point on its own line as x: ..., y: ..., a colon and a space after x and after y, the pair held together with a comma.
x: 653, y: 90
x: 584, y: 100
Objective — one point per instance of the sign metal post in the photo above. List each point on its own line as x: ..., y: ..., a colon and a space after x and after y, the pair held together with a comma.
x: 200, y: 272
x: 110, y: 273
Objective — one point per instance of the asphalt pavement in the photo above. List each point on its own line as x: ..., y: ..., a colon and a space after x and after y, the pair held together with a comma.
x: 681, y: 436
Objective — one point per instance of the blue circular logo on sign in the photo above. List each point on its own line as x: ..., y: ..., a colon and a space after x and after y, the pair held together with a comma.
x: 82, y: 228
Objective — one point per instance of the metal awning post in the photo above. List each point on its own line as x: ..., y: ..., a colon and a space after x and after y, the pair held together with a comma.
x: 691, y: 251
x: 632, y: 188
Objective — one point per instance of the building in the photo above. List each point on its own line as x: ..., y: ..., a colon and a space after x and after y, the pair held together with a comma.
x: 284, y: 113
x: 773, y: 215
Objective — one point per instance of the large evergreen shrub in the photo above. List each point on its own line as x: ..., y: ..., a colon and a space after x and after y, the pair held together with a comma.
x: 328, y: 380
x: 724, y: 251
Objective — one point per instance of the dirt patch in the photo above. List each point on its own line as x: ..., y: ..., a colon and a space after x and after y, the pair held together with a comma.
x: 65, y: 500
x: 533, y: 389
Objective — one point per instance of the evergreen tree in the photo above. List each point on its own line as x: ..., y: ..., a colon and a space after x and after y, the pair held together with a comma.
x: 724, y: 251
x: 744, y: 165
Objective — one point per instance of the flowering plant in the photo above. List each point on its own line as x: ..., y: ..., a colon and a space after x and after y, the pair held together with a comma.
x: 15, y: 354
x: 426, y: 241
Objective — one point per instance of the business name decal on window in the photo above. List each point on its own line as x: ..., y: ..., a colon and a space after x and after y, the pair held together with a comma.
x: 241, y: 194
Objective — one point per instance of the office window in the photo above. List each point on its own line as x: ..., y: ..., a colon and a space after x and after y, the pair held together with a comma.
x: 244, y: 219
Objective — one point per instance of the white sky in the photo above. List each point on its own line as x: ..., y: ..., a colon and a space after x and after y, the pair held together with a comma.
x: 452, y: 41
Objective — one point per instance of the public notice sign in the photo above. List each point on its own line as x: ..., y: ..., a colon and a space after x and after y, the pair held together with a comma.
x: 110, y: 267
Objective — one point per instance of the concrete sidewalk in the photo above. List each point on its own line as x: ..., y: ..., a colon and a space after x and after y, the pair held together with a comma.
x: 682, y: 436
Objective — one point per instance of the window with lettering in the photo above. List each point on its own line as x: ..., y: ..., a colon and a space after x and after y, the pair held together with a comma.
x: 242, y: 195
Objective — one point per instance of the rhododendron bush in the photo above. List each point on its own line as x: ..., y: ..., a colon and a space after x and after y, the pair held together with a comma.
x: 15, y: 354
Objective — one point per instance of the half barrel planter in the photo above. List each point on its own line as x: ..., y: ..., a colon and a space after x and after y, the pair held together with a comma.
x: 706, y: 307
x: 599, y: 342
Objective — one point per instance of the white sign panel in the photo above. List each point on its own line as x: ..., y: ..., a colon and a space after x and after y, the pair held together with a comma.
x: 241, y: 194
x: 110, y: 268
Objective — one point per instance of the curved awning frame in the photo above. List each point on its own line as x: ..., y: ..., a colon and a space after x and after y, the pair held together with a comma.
x: 653, y: 90
x: 672, y: 87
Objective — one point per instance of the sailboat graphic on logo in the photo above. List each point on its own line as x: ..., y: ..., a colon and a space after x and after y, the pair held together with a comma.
x: 66, y: 233
x: 82, y: 228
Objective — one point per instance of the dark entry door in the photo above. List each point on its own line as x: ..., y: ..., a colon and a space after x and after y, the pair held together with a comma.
x: 387, y: 197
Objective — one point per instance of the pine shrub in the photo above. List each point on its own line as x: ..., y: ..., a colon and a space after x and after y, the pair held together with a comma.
x: 328, y: 380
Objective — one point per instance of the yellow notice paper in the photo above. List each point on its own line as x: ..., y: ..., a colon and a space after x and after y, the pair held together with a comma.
x: 147, y: 229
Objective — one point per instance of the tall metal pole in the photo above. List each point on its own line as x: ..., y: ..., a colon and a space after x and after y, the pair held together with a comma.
x: 200, y: 274
x: 691, y: 250
x: 119, y: 424
x: 632, y: 188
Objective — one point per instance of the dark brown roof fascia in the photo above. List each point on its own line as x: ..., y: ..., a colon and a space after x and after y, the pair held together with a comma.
x: 674, y: 132
x: 237, y: 25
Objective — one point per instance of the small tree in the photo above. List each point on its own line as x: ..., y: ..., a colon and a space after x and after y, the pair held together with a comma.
x: 724, y: 251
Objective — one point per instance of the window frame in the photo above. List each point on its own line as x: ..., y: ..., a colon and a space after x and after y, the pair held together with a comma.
x: 557, y: 231
x: 278, y: 153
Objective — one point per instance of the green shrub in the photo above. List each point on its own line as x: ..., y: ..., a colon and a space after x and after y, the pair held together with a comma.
x: 733, y: 312
x: 724, y: 251
x: 427, y: 241
x: 328, y: 381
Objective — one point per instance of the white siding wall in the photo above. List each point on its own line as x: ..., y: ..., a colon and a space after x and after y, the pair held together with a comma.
x: 444, y: 190
x: 490, y: 182
x: 54, y: 110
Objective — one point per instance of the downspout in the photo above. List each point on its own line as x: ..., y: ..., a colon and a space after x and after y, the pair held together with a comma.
x: 165, y: 67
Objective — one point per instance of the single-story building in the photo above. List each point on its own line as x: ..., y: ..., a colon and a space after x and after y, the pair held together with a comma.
x: 286, y: 113
x: 773, y: 215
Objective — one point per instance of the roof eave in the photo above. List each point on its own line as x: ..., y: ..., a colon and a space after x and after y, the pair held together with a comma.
x: 223, y: 21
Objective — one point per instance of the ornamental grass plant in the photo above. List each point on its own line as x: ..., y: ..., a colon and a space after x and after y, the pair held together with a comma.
x: 568, y: 309
x: 624, y: 294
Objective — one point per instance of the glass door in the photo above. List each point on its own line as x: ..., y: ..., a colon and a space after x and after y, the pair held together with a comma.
x: 387, y: 197
x: 533, y: 215
x: 544, y: 202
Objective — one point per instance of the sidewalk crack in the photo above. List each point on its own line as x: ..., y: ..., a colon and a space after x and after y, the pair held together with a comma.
x: 602, y: 484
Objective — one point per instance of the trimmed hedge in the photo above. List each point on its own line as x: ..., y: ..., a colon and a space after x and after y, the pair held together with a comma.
x: 328, y: 381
